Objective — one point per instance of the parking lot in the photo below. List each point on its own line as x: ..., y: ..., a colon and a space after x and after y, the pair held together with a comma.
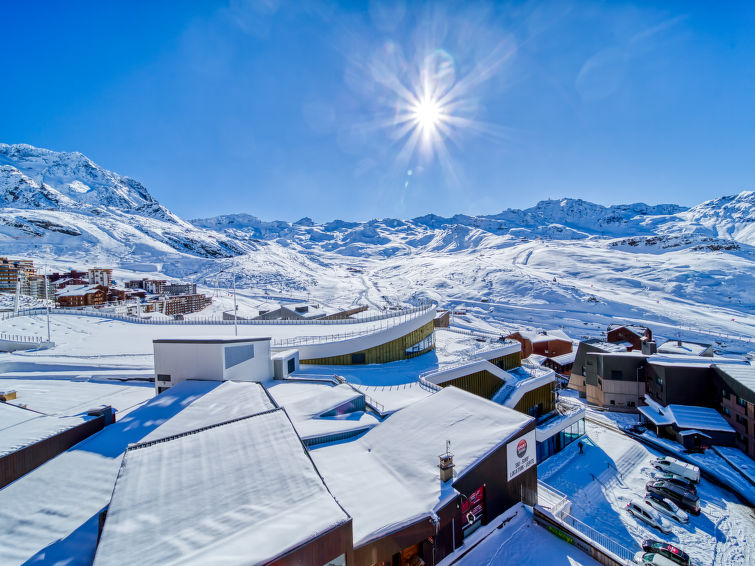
x: 614, y: 470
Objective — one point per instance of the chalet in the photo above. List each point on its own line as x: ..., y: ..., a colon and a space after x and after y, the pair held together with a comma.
x: 549, y: 343
x: 630, y: 335
x: 82, y: 296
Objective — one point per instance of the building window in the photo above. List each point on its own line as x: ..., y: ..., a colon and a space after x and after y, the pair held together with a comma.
x: 741, y: 402
x: 234, y: 355
x: 616, y: 374
x: 724, y: 394
x: 727, y: 412
x: 613, y: 401
x: 741, y: 437
x: 359, y: 358
x: 741, y: 420
x: 659, y: 380
x: 292, y: 365
x: 163, y: 377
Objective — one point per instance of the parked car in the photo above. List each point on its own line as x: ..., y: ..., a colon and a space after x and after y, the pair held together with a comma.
x: 678, y: 480
x: 667, y: 507
x: 653, y: 558
x: 635, y: 428
x: 682, y: 497
x: 648, y: 515
x: 669, y: 550
x: 683, y: 469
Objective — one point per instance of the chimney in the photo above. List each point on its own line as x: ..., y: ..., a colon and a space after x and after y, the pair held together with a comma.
x: 446, y: 463
x: 649, y: 347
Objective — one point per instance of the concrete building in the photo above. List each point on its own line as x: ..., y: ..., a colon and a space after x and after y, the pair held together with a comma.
x: 180, y: 289
x: 179, y: 304
x: 581, y: 365
x: 13, y: 269
x: 211, y: 359
x: 735, y: 386
x: 100, y: 276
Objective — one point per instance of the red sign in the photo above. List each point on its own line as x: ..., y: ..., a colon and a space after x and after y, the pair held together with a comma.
x: 521, y: 448
x: 472, y: 506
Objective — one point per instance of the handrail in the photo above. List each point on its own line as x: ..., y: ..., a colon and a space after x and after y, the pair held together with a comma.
x: 88, y: 311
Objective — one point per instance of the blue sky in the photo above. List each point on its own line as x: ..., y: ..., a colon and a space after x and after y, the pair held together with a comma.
x: 285, y: 111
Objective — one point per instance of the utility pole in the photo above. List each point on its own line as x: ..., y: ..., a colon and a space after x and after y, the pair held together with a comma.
x: 235, y: 308
x: 639, y: 414
x: 47, y: 302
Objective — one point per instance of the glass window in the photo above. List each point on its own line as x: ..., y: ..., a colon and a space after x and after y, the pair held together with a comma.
x: 659, y: 380
x: 741, y: 402
x: 234, y: 355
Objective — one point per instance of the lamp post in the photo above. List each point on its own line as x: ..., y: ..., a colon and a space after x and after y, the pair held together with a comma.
x: 639, y: 415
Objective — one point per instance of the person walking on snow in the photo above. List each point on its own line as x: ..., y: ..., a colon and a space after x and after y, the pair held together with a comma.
x: 580, y: 447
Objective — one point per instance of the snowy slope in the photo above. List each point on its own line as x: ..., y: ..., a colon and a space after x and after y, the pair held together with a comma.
x: 563, y: 262
x: 67, y: 205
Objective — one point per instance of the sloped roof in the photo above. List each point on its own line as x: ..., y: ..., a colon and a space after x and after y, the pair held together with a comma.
x: 260, y: 498
x: 389, y: 478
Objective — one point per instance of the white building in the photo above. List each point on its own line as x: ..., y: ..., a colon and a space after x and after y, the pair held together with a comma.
x: 100, y: 276
x: 211, y: 359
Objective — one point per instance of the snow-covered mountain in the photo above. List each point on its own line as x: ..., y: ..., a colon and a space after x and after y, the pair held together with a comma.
x: 563, y: 262
x: 66, y: 204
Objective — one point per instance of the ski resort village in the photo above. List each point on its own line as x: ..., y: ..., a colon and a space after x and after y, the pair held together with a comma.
x: 517, y: 390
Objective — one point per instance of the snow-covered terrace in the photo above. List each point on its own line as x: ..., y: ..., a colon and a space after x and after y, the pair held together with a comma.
x: 389, y: 479
x: 260, y: 498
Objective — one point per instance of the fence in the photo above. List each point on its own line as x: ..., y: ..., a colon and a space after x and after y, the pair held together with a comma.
x: 22, y: 339
x: 404, y: 314
x: 599, y: 538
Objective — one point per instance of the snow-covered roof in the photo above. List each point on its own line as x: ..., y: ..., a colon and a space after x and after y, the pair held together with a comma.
x: 389, y: 478
x: 71, y: 397
x: 692, y: 361
x: 686, y: 417
x: 684, y: 348
x: 633, y: 328
x: 537, y: 359
x: 60, y: 522
x: 260, y: 498
x: 535, y: 337
x: 564, y: 359
x: 77, y: 290
x: 305, y: 402
x: 606, y: 346
x: 743, y: 375
x: 229, y: 400
x: 21, y: 427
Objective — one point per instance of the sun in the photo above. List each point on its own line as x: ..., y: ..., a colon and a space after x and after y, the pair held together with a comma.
x: 427, y: 113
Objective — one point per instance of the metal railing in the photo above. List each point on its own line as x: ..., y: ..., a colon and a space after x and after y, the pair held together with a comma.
x: 20, y: 338
x: 102, y: 313
x: 598, y: 538
x: 336, y: 379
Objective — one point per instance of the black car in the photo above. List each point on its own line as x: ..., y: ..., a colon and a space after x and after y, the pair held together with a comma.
x: 684, y: 483
x: 667, y: 550
x: 682, y: 497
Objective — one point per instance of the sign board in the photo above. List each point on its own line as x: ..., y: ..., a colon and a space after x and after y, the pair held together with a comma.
x: 521, y: 454
x: 472, y: 506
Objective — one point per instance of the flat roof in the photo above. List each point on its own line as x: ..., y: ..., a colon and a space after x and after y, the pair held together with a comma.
x: 260, y: 498
x: 71, y: 396
x: 20, y: 427
x: 389, y: 478
x: 688, y: 348
x: 209, y: 340
x: 52, y: 511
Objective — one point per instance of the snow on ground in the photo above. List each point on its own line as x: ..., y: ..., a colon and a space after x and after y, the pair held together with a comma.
x: 519, y: 541
x: 614, y: 468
